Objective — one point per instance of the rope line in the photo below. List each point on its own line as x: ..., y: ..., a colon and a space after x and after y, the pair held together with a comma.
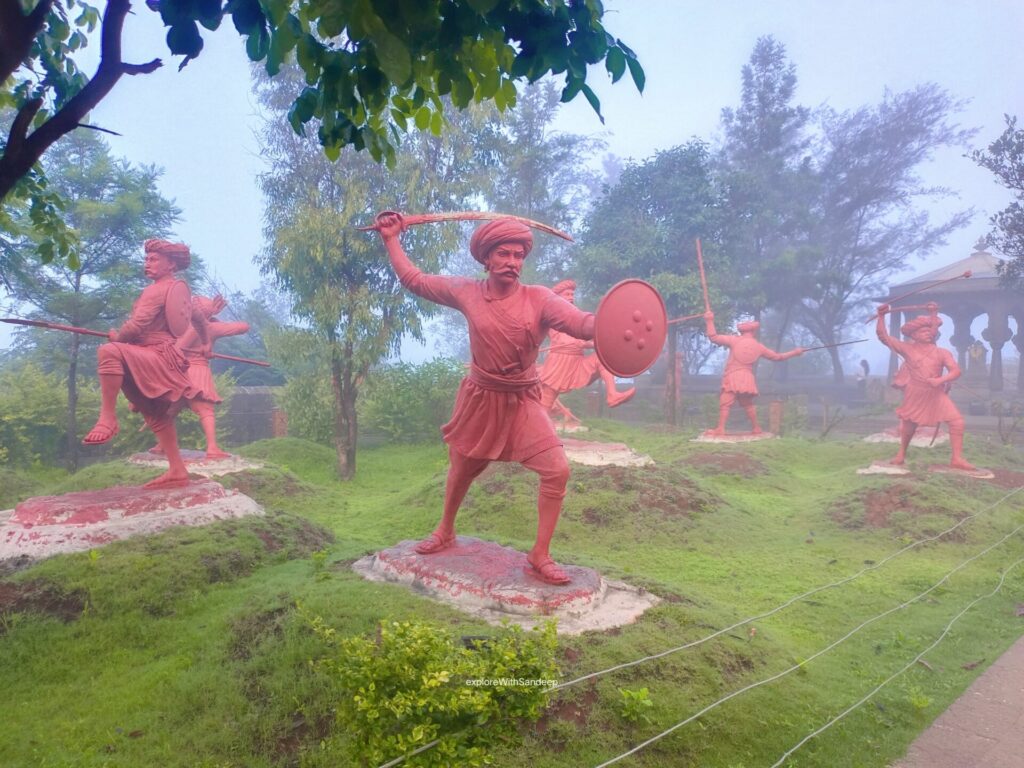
x: 814, y: 656
x: 791, y: 601
x: 896, y: 674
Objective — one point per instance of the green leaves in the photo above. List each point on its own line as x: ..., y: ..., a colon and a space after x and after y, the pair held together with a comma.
x: 375, y: 64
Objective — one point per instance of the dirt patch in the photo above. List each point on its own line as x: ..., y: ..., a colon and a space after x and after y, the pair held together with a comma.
x: 725, y: 464
x: 287, y: 748
x: 39, y: 597
x: 296, y: 536
x: 659, y: 489
x: 874, y: 508
x: 260, y: 482
x: 251, y: 630
x: 1007, y: 478
x: 572, y: 708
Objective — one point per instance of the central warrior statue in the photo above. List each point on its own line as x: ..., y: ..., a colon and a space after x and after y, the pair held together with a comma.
x: 142, y: 358
x: 498, y: 414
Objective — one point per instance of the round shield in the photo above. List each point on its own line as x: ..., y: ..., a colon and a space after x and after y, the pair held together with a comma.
x: 630, y: 328
x: 178, y: 308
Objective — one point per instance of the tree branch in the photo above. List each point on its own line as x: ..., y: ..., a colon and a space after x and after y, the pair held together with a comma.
x: 15, y: 164
x: 17, y: 31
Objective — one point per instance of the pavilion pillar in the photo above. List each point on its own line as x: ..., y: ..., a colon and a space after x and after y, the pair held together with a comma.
x: 997, y: 334
x: 961, y: 338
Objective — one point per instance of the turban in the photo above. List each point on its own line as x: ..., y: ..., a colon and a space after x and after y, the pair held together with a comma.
x: 564, y: 287
x: 496, y: 232
x: 749, y: 325
x: 924, y: 321
x: 176, y: 252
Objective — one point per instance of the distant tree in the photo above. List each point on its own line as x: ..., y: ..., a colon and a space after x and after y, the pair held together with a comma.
x: 111, y: 208
x: 865, y: 223
x: 645, y: 227
x: 342, y: 287
x: 371, y: 69
x: 1005, y: 158
x: 542, y: 173
x: 763, y: 166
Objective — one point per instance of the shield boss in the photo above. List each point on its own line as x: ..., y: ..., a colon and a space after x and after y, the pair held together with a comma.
x: 178, y: 308
x: 630, y: 328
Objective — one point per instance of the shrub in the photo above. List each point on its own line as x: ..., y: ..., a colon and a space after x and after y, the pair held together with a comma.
x: 409, y: 403
x: 412, y: 684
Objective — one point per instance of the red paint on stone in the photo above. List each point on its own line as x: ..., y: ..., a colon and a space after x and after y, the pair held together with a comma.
x: 489, y: 575
x: 90, y: 507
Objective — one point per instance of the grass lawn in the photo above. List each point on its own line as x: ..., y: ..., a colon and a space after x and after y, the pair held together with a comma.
x: 192, y: 648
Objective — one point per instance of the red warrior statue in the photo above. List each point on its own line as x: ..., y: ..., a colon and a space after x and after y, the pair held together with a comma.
x: 925, y: 398
x: 198, y: 353
x: 567, y: 368
x: 143, y: 361
x: 738, y: 380
x: 498, y: 414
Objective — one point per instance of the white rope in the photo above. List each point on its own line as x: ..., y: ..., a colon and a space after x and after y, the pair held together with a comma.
x: 791, y: 601
x: 892, y: 677
x: 823, y: 651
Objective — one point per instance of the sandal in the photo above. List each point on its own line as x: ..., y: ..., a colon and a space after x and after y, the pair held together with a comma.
x: 435, y: 542
x: 106, y: 431
x: 549, y: 571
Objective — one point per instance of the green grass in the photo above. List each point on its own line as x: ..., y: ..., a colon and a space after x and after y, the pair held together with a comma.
x: 192, y: 647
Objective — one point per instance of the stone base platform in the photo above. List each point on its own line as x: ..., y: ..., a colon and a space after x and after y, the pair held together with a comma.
x: 978, y: 473
x: 734, y: 437
x: 883, y: 468
x: 197, y: 463
x: 595, y: 454
x: 496, y: 583
x: 48, y: 525
x: 921, y: 439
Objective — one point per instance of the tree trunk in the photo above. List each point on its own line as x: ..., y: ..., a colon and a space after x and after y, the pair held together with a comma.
x: 72, y: 420
x: 345, y: 426
x: 837, y: 364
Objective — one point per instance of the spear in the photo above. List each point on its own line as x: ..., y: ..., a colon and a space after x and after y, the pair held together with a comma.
x: 683, y: 319
x: 967, y: 273
x: 837, y: 344
x: 104, y: 335
x: 703, y: 277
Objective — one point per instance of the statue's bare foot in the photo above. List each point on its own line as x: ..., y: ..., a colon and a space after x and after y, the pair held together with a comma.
x: 756, y: 431
x: 217, y: 454
x: 716, y: 432
x: 547, y: 570
x: 435, y: 542
x: 618, y: 398
x: 157, y: 450
x: 101, y: 433
x: 169, y: 479
x: 962, y: 464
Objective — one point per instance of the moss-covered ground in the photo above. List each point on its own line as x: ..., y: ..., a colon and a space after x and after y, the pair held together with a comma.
x: 192, y: 648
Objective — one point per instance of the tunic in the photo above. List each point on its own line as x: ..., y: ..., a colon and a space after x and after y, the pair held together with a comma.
x: 566, y: 367
x: 923, y: 404
x: 156, y: 372
x: 498, y: 414
x: 744, y: 351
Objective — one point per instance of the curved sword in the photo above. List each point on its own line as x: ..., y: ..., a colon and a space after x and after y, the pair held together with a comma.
x: 415, y: 219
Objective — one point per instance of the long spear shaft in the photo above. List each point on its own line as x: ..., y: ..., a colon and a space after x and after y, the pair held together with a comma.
x: 415, y: 219
x: 102, y: 335
x: 683, y: 319
x: 837, y: 344
x: 967, y: 273
x: 703, y: 277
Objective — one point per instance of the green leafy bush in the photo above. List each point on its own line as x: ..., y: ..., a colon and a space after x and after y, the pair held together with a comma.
x: 634, y: 705
x: 412, y: 684
x: 409, y: 403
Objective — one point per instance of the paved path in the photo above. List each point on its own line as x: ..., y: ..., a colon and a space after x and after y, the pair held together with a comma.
x: 984, y: 728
